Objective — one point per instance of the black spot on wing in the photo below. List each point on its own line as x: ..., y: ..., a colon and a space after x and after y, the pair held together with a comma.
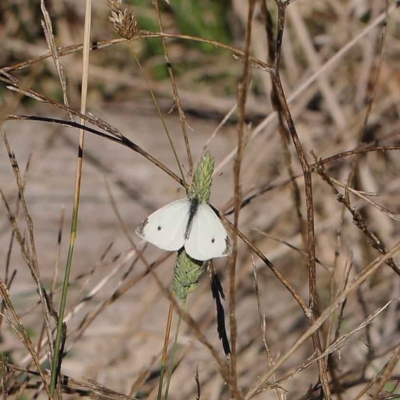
x: 213, y: 240
x: 159, y: 228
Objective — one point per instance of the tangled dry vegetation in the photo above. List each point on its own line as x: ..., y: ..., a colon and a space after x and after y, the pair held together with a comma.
x: 301, y: 111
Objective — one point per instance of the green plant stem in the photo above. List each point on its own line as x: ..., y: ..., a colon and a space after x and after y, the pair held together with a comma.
x: 174, y: 348
x: 61, y: 314
x: 74, y: 226
x: 165, y: 352
x: 161, y: 381
x: 77, y: 191
x: 153, y: 97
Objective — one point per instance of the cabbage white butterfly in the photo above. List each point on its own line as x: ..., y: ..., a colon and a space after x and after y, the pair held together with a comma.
x: 187, y: 223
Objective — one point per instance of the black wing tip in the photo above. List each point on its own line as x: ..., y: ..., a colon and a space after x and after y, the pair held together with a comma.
x: 228, y: 246
x: 140, y: 229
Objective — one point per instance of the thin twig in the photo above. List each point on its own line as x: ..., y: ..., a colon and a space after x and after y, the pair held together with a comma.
x: 313, y: 298
x: 243, y: 85
x: 177, y: 100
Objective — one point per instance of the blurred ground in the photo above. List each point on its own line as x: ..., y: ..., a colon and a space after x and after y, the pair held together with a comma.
x: 137, y: 187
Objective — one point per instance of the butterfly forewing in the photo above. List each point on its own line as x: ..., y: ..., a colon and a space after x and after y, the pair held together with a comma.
x: 166, y: 227
x: 207, y: 236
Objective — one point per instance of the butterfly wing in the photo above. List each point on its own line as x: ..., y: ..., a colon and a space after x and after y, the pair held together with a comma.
x: 166, y: 227
x: 207, y: 237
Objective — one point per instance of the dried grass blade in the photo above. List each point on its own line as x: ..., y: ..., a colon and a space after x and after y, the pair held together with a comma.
x: 340, y: 341
x: 362, y: 195
x: 51, y: 43
x: 263, y: 326
x: 23, y: 335
x: 382, y: 377
x: 368, y: 271
x: 29, y: 252
x: 177, y: 100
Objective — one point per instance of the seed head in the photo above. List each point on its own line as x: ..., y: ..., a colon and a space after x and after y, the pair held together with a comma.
x: 123, y: 19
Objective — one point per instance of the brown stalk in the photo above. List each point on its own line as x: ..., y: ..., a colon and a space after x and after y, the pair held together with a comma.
x: 274, y: 60
x: 313, y: 298
x: 371, y: 94
x: 243, y: 86
x: 101, y: 44
x: 360, y: 150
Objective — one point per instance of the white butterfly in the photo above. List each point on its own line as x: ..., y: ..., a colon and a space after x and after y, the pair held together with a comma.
x: 187, y: 223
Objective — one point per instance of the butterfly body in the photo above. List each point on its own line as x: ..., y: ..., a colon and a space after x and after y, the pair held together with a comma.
x: 187, y: 223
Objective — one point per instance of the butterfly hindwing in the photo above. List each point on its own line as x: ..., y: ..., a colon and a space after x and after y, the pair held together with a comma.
x: 207, y: 237
x: 166, y: 227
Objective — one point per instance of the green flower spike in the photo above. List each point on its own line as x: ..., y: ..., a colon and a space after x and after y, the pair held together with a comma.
x: 202, y: 179
x: 186, y: 275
